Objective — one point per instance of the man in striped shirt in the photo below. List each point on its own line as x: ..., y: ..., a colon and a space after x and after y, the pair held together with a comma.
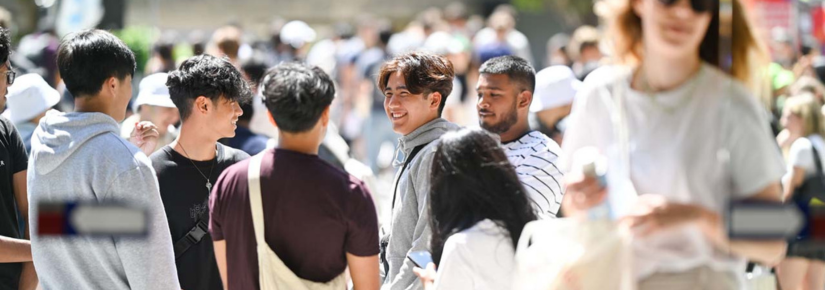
x: 505, y: 91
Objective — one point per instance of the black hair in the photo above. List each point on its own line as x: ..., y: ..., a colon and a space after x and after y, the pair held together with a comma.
x: 472, y: 180
x: 86, y: 59
x: 247, y: 111
x: 5, y: 45
x: 255, y: 68
x: 516, y: 68
x: 208, y: 76
x: 296, y: 95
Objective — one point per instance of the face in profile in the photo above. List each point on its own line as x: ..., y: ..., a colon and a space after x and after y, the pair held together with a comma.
x: 4, y: 84
x: 673, y: 30
x: 224, y: 118
x: 497, y: 102
x: 407, y: 111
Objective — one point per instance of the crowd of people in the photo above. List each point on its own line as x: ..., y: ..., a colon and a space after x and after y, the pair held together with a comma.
x: 298, y: 163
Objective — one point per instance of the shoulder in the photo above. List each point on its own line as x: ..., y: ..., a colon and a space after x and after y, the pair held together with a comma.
x: 121, y: 154
x: 482, y: 237
x: 742, y: 103
x: 7, y: 128
x: 801, y: 145
x: 232, y: 155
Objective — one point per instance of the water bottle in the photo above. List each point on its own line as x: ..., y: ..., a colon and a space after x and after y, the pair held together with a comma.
x: 590, y: 162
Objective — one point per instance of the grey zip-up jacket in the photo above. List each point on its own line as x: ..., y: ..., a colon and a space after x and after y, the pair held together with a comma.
x: 410, y: 228
x: 79, y: 157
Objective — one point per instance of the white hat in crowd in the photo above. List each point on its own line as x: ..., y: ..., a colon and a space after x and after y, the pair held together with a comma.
x: 154, y: 92
x: 28, y: 97
x: 556, y: 86
x: 297, y: 33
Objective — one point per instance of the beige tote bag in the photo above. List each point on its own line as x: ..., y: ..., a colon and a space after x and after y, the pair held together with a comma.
x: 272, y: 272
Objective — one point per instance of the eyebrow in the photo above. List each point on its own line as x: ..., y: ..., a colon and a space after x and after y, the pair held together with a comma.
x: 397, y: 88
x: 490, y: 89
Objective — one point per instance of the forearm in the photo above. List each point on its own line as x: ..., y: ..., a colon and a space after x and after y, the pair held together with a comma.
x: 28, y: 277
x: 14, y: 250
x: 765, y: 252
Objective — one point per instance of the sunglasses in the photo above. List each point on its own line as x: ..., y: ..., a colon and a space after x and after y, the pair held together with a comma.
x: 700, y: 6
x: 10, y: 76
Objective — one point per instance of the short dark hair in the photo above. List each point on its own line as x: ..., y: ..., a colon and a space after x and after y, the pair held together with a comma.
x: 423, y: 73
x: 5, y: 45
x: 516, y: 68
x: 296, y: 95
x: 86, y: 59
x: 208, y: 76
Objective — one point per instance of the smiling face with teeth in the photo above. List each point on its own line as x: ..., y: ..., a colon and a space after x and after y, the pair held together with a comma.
x: 223, y: 119
x: 408, y: 111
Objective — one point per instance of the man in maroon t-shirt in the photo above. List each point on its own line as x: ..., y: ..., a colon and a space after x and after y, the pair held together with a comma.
x: 318, y: 220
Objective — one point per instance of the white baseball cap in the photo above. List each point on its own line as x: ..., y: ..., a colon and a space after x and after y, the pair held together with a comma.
x: 297, y: 33
x: 556, y: 86
x: 28, y: 97
x: 154, y: 92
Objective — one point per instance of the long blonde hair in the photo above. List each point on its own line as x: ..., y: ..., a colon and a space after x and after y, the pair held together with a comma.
x: 807, y: 108
x: 749, y: 57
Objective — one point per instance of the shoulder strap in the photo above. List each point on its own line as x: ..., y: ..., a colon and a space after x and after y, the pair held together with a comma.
x: 254, y: 185
x: 407, y: 161
x: 816, y: 160
x: 201, y: 228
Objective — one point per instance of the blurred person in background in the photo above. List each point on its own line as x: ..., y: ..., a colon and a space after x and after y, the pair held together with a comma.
x: 207, y: 92
x: 556, y: 87
x: 557, y: 51
x: 502, y: 27
x: 162, y: 60
x: 783, y: 50
x: 153, y: 104
x: 28, y: 101
x: 81, y: 158
x: 338, y: 228
x: 679, y: 110
x: 505, y: 92
x: 298, y: 36
x: 802, y: 116
x: 253, y: 70
x: 584, y: 50
x: 226, y: 41
x: 477, y: 210
x: 415, y: 86
x: 16, y: 267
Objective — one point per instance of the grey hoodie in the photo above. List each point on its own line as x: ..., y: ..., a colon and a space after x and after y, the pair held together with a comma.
x: 80, y: 157
x: 410, y: 228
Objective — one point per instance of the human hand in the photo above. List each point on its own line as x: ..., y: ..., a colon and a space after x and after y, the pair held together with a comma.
x: 582, y: 193
x: 427, y: 276
x: 653, y: 213
x: 145, y: 136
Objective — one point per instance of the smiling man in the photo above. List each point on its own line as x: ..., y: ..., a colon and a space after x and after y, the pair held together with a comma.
x: 415, y: 86
x: 505, y: 91
x: 206, y: 90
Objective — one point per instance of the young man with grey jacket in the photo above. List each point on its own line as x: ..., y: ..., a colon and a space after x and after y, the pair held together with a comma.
x: 415, y: 86
x: 81, y: 158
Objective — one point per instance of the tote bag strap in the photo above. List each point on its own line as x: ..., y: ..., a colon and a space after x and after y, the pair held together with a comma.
x: 254, y: 185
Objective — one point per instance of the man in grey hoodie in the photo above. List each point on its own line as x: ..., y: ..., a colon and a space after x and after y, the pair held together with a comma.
x: 80, y: 157
x: 415, y: 86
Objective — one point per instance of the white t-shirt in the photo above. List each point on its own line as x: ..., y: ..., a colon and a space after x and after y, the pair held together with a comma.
x: 535, y: 156
x: 802, y: 156
x: 715, y: 146
x: 481, y: 257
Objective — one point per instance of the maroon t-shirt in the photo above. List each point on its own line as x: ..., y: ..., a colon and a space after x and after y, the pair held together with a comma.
x: 314, y: 214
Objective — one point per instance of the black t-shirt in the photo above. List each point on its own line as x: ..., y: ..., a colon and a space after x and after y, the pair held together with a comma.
x: 185, y: 199
x: 12, y: 160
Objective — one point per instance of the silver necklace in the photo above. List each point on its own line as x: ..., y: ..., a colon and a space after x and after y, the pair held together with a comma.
x: 653, y: 95
x: 208, y: 183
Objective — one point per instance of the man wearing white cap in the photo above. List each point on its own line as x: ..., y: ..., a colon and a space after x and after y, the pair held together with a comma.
x: 28, y: 100
x: 153, y: 104
x: 505, y: 91
x: 556, y: 86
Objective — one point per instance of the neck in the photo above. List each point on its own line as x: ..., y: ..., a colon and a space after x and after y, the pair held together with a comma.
x: 663, y: 73
x: 94, y: 104
x: 301, y: 142
x: 198, y: 147
x: 515, y: 132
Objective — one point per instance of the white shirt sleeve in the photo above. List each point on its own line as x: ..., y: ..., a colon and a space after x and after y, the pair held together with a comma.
x: 589, y: 122
x: 454, y: 271
x: 755, y: 159
x: 801, y: 155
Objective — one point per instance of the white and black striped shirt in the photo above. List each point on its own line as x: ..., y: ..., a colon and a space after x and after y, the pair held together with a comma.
x: 534, y: 156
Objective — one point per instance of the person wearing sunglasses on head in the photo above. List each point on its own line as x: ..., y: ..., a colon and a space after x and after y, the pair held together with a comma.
x: 687, y: 136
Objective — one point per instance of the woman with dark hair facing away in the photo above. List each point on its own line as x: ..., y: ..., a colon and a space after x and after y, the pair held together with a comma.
x: 477, y: 208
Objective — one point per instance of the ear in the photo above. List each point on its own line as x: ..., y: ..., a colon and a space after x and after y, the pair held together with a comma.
x: 202, y: 104
x: 271, y: 119
x: 111, y: 85
x: 325, y: 116
x: 524, y: 99
x: 435, y: 100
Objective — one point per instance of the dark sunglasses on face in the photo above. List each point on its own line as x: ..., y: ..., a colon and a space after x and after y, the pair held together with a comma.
x: 700, y: 6
x: 10, y: 76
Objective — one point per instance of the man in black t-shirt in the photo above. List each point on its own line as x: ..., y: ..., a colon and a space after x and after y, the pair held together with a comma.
x: 16, y: 269
x: 207, y: 91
